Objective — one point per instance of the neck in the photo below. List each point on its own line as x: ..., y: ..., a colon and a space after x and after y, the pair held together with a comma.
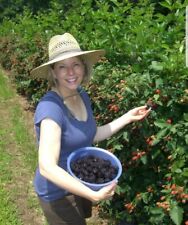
x: 66, y: 95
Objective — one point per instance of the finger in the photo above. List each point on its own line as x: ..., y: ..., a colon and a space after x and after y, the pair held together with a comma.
x: 113, y: 192
x: 145, y: 110
x: 108, y: 189
x: 141, y: 107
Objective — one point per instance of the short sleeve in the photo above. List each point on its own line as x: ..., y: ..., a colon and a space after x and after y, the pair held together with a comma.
x: 48, y: 109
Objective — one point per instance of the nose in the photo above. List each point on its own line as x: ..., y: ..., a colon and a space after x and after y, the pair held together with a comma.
x: 70, y: 71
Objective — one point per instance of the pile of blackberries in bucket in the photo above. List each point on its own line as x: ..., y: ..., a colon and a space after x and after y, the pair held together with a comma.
x: 93, y: 169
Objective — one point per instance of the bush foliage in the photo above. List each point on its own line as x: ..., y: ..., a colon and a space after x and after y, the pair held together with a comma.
x: 145, y: 63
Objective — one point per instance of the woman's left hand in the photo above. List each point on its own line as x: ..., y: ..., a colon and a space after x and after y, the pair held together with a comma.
x: 138, y: 113
x: 107, y: 130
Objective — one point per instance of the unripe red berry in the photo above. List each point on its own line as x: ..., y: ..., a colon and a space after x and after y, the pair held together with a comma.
x: 157, y: 91
x: 169, y: 121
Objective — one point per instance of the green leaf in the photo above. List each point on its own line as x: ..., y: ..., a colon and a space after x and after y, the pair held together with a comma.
x: 185, y: 172
x: 173, y: 130
x: 107, y: 202
x: 166, y: 4
x: 156, y: 211
x: 186, y: 139
x: 156, y: 141
x: 170, y: 102
x: 130, y: 91
x: 145, y: 197
x: 185, y: 116
x: 161, y: 124
x: 155, y: 154
x: 178, y: 171
x: 118, y: 146
x: 177, y: 165
x: 156, y: 66
x: 156, y: 97
x: 126, y: 136
x: 161, y: 133
x: 159, y: 136
x: 159, y: 82
x: 144, y: 159
x: 176, y: 214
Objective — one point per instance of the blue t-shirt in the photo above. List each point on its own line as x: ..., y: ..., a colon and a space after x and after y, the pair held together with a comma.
x: 75, y: 134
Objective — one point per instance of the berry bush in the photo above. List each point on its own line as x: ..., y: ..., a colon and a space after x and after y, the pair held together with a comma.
x: 144, y: 64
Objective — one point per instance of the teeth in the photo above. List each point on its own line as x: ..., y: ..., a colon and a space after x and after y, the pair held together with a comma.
x: 71, y: 80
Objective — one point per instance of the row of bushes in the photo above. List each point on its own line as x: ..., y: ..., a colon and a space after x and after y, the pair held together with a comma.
x: 145, y: 62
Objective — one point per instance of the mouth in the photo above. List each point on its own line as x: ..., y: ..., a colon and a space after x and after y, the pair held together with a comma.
x: 71, y: 80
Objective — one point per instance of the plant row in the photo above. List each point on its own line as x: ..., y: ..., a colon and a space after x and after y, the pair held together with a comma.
x: 144, y: 64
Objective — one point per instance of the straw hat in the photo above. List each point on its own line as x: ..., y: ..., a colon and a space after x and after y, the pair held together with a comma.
x: 63, y: 47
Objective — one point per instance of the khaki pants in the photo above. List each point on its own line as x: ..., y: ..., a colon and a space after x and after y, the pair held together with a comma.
x: 70, y: 210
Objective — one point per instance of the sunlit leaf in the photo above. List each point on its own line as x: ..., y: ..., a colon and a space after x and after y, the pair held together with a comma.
x: 176, y: 214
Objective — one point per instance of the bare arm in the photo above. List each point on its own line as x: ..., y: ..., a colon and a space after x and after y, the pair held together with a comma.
x: 49, y: 151
x: 107, y: 130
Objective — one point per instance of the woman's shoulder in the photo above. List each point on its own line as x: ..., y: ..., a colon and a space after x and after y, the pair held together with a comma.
x: 49, y: 101
x: 51, y: 97
x: 49, y: 107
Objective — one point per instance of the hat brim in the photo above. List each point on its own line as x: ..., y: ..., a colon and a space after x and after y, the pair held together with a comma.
x: 90, y: 57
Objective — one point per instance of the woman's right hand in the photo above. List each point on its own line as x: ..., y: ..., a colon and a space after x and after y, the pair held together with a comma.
x: 105, y: 192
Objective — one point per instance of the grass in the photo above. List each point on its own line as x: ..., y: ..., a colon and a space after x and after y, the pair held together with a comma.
x: 18, y: 161
x: 23, y: 138
x: 5, y: 92
x: 9, y: 213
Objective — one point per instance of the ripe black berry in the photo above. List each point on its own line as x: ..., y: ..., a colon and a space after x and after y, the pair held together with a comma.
x: 93, y: 169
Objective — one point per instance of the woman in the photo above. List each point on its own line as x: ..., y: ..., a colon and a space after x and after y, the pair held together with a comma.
x: 64, y: 122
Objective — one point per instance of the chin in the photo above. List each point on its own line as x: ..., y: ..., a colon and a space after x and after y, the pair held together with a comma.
x: 74, y: 86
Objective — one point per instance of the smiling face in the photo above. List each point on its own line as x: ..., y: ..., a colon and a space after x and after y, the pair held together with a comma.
x: 69, y: 73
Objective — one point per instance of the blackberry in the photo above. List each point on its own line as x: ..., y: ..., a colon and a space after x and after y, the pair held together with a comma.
x: 93, y: 169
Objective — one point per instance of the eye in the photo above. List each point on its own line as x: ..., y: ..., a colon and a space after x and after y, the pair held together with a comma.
x: 77, y: 65
x: 62, y: 67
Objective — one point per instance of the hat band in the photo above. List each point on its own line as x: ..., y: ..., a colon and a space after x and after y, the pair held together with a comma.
x: 64, y: 53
